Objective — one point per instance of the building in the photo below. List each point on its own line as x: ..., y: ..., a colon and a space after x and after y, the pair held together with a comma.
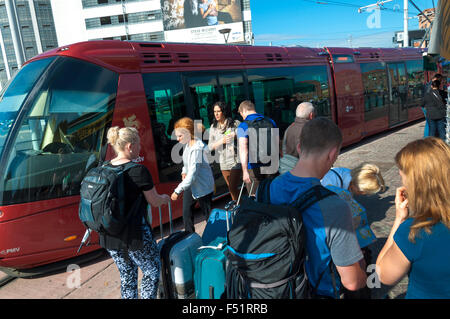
x: 415, y: 38
x: 424, y: 23
x: 30, y: 27
x: 26, y: 29
x: 150, y: 20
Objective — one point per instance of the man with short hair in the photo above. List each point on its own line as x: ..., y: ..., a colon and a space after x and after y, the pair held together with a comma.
x: 305, y: 111
x: 251, y: 170
x: 334, y: 255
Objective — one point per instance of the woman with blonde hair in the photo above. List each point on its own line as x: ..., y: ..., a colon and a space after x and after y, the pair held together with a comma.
x: 197, y: 178
x: 364, y: 179
x: 419, y: 241
x: 134, y: 247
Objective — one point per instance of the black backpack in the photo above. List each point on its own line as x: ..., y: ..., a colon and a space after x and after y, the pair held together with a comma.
x: 260, y: 140
x: 267, y: 247
x: 102, y: 205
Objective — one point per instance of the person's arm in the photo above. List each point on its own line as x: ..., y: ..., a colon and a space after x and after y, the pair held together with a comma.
x: 243, y: 156
x: 215, y: 142
x: 353, y: 277
x: 204, y: 13
x: 194, y: 158
x: 155, y: 199
x: 344, y: 247
x: 392, y: 265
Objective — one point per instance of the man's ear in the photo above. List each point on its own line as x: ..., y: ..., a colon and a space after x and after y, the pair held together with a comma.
x: 299, y: 149
x: 333, y: 154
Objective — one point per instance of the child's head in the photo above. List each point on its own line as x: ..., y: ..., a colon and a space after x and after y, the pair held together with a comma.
x: 366, y: 179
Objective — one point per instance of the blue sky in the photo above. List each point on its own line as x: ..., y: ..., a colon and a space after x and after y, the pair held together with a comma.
x: 329, y: 23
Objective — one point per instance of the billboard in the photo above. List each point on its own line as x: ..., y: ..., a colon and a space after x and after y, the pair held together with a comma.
x: 200, y: 20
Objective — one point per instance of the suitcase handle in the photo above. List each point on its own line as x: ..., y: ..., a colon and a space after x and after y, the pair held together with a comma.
x: 169, y: 204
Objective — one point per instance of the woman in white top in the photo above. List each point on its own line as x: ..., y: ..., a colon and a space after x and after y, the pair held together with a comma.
x: 196, y: 174
x: 222, y: 139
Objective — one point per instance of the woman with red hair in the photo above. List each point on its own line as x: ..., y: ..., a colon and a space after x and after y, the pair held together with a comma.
x: 196, y: 173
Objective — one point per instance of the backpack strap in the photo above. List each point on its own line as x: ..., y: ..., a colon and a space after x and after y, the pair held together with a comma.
x: 311, y: 196
x: 263, y: 192
x: 339, y: 176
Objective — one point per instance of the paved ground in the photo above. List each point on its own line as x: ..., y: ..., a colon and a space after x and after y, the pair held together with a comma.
x: 100, y: 279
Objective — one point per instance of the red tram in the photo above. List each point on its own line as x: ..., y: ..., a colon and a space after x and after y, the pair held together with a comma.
x: 55, y: 113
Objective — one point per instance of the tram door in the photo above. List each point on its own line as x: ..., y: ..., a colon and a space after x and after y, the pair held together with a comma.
x: 398, y: 93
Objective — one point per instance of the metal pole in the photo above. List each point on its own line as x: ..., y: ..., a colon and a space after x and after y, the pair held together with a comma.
x: 15, y: 32
x: 405, y: 24
x: 4, y: 56
x: 125, y: 20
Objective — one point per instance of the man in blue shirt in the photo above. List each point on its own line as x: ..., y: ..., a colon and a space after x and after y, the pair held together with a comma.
x: 334, y: 258
x: 251, y: 168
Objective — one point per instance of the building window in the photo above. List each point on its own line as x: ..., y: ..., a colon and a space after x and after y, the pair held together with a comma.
x: 105, y: 20
x: 121, y: 19
x: 102, y: 1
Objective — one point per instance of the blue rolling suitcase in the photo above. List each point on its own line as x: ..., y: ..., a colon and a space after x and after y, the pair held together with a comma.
x: 210, y: 263
x: 216, y: 226
x: 210, y: 271
x: 220, y: 220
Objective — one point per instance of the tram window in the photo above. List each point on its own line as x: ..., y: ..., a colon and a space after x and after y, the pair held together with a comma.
x: 311, y: 85
x: 62, y: 134
x: 376, y: 94
x: 204, y: 92
x: 271, y: 90
x: 234, y: 93
x: 15, y: 94
x: 277, y: 92
x: 415, y: 82
x: 166, y: 105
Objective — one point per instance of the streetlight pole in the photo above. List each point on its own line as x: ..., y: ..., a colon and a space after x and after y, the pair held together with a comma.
x: 405, y: 24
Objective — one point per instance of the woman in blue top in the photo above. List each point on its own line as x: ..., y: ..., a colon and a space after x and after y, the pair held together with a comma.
x: 419, y: 242
x: 209, y: 11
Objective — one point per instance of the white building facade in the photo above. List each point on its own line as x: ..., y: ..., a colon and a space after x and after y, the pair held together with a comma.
x: 30, y: 27
x: 145, y: 20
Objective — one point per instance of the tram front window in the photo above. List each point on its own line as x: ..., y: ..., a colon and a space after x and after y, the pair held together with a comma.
x: 16, y: 93
x: 61, y: 133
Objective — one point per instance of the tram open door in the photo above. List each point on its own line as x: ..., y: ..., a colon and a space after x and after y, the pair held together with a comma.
x: 349, y: 94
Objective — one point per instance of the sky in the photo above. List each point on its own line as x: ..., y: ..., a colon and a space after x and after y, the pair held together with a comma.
x: 330, y: 23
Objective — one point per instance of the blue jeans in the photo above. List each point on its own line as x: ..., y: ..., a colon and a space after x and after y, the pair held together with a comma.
x: 437, y: 128
x: 426, y: 130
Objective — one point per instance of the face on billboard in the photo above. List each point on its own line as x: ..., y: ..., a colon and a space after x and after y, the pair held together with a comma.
x: 186, y: 14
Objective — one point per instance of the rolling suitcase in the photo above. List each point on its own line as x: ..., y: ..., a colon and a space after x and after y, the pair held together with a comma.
x: 177, y: 253
x: 220, y: 220
x: 210, y: 263
x: 210, y: 274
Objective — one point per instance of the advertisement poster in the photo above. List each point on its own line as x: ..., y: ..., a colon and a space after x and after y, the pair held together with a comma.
x: 200, y: 20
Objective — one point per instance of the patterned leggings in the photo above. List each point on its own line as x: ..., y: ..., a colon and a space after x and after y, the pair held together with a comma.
x: 147, y: 259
